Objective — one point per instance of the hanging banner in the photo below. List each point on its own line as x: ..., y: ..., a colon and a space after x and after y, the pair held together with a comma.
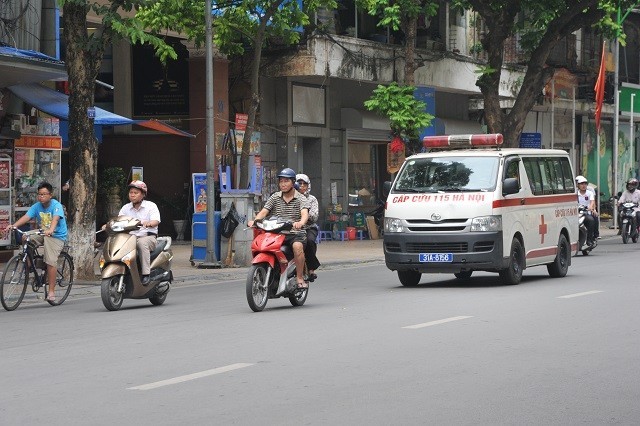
x: 394, y: 159
x: 199, y: 185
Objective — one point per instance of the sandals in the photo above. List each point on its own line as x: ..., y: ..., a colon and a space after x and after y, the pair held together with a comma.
x: 303, y: 286
x: 51, y: 298
x: 312, y: 277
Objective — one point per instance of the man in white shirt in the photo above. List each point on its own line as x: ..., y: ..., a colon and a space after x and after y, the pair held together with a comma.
x: 149, y: 216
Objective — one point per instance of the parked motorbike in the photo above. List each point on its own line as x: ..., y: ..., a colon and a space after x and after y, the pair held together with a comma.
x: 582, y: 232
x: 628, y: 225
x: 120, y: 271
x: 378, y: 216
x: 273, y: 270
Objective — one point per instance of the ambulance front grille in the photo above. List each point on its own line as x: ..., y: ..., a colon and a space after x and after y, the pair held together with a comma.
x: 437, y: 247
x: 436, y: 228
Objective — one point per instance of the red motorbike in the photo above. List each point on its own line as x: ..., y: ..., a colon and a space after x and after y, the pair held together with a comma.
x: 273, y: 270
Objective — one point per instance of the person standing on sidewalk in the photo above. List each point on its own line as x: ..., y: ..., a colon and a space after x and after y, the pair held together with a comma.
x: 49, y: 216
x: 312, y: 226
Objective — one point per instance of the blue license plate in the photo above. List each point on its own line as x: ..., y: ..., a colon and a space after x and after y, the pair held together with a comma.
x: 436, y: 257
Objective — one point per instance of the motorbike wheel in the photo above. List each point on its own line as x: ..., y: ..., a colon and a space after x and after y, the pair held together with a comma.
x: 626, y: 228
x: 257, y: 289
x: 409, y: 278
x: 463, y: 275
x: 513, y: 273
x: 560, y: 265
x: 299, y: 298
x: 111, y: 299
x: 158, y: 299
x: 634, y: 235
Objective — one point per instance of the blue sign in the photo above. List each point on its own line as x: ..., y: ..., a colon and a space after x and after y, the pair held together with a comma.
x: 91, y: 112
x: 531, y: 140
x: 428, y: 96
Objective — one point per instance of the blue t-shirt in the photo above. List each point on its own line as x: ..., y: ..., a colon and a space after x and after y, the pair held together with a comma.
x: 44, y: 216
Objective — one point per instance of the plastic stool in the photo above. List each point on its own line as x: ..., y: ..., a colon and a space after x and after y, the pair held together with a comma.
x: 360, y: 234
x: 344, y: 235
x: 324, y: 236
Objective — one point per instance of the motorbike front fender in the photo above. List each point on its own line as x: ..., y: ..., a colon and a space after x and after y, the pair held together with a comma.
x: 113, y: 269
x: 264, y: 257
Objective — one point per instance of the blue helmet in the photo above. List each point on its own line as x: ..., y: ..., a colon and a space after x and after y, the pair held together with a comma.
x: 287, y: 173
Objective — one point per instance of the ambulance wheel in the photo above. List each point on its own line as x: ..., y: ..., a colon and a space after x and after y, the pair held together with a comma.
x: 513, y: 273
x: 560, y: 265
x: 409, y: 278
x: 463, y: 275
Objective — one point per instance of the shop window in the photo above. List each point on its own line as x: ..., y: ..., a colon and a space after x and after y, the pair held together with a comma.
x: 366, y: 171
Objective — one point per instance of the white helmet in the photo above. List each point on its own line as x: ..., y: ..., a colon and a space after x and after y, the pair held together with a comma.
x: 581, y: 179
x: 304, y: 178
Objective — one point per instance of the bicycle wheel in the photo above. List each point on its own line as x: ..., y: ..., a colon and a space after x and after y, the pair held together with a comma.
x: 64, y: 279
x: 13, y: 283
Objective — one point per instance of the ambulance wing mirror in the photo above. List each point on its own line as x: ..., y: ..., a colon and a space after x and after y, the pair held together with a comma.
x: 510, y: 186
x: 386, y: 188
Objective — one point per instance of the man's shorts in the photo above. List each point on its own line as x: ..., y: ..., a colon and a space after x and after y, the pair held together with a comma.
x: 52, y: 248
x: 300, y: 237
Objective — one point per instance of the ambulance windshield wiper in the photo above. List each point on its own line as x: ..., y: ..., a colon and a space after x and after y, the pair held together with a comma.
x: 458, y: 189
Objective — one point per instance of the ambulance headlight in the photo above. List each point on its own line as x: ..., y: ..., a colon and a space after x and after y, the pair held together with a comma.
x: 392, y: 224
x: 486, y: 224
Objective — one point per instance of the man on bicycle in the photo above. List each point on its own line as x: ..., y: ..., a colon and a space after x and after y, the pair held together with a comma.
x: 291, y: 205
x: 49, y: 216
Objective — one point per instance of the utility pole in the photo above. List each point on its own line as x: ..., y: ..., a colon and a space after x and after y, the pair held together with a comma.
x: 210, y: 260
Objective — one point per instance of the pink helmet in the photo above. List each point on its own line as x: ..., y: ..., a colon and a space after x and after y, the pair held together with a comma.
x: 138, y: 184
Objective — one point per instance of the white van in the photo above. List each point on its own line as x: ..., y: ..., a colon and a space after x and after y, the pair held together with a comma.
x: 481, y: 208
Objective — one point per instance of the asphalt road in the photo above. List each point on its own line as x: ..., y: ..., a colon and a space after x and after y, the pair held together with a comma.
x: 363, y: 350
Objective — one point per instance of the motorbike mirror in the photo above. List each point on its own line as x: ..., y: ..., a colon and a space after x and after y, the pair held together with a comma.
x: 386, y: 188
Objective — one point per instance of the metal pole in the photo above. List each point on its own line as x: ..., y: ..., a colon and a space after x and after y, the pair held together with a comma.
x: 573, y: 130
x: 616, y: 124
x: 210, y: 259
x: 553, y: 108
x: 632, y: 141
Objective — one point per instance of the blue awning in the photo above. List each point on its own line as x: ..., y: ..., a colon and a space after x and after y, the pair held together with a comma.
x: 56, y: 104
x: 18, y: 66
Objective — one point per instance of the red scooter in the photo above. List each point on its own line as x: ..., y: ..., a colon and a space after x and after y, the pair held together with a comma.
x: 273, y: 270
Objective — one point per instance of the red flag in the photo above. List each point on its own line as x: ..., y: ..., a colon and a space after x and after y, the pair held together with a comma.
x: 599, y: 88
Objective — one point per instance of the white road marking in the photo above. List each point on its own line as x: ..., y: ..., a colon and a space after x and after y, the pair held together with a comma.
x: 442, y: 321
x: 188, y: 377
x: 585, y: 293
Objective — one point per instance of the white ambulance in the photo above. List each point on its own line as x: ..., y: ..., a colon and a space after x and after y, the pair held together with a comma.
x: 480, y: 208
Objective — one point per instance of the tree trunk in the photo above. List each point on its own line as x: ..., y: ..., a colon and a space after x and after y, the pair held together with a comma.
x: 411, y: 25
x: 82, y: 68
x: 255, y: 92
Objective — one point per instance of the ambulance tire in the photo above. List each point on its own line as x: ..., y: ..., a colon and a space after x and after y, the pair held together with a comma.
x: 513, y: 273
x: 409, y: 278
x: 560, y: 265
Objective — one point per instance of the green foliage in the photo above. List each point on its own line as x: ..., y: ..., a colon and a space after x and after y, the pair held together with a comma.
x: 406, y: 114
x: 109, y: 178
x: 393, y: 12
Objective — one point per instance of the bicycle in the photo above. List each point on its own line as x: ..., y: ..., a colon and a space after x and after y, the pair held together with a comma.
x: 15, y: 277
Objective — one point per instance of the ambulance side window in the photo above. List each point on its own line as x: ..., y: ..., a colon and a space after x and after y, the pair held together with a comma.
x: 512, y: 170
x: 533, y: 174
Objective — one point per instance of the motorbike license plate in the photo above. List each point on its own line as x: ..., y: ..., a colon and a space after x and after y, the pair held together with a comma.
x: 436, y: 257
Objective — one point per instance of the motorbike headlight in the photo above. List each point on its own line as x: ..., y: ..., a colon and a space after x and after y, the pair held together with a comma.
x: 101, y: 264
x: 486, y: 224
x: 392, y: 224
x: 127, y: 258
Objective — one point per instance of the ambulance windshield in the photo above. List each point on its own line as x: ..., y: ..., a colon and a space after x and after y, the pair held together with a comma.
x: 448, y: 174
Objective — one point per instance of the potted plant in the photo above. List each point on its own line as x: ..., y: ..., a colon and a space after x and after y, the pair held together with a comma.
x: 111, y: 188
x: 178, y: 206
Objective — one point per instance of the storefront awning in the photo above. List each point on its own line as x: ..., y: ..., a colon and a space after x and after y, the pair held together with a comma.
x: 18, y: 66
x: 57, y: 104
